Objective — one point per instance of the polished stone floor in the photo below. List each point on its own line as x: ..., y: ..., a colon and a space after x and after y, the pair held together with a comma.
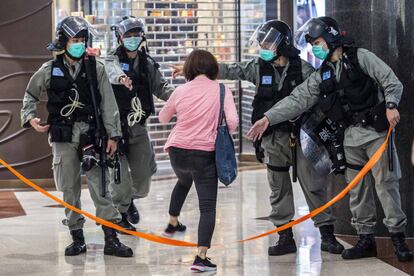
x: 33, y: 239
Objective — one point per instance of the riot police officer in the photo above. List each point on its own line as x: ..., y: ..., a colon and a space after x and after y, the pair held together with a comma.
x: 76, y: 86
x: 359, y: 93
x: 135, y: 77
x: 276, y: 72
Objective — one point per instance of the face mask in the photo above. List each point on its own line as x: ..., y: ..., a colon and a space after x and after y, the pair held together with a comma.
x: 319, y: 52
x: 266, y: 55
x: 76, y: 50
x: 132, y: 43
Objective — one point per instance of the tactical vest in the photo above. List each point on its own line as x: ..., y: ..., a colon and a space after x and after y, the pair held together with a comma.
x: 140, y: 85
x: 268, y: 93
x: 64, y: 90
x: 352, y: 98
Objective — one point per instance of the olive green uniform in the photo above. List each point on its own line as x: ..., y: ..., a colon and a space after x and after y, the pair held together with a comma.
x: 138, y: 165
x: 278, y: 155
x: 360, y: 143
x: 66, y: 163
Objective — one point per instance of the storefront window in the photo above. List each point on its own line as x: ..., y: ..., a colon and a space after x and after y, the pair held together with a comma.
x: 174, y: 29
x: 305, y: 10
x: 253, y: 13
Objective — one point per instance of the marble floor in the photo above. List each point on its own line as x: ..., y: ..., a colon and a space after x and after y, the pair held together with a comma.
x: 32, y: 239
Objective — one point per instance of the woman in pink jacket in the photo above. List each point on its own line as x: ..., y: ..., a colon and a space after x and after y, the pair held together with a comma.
x: 191, y: 146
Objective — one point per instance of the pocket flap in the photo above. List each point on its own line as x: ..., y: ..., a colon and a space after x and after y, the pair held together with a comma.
x: 57, y: 159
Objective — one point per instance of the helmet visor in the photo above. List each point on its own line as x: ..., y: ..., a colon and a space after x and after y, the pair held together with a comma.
x: 267, y: 38
x: 72, y: 26
x: 312, y: 29
x: 131, y: 24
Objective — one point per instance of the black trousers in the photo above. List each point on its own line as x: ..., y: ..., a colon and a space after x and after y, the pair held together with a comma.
x: 200, y: 167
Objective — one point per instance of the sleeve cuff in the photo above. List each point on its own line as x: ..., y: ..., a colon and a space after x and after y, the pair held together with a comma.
x: 26, y: 123
x: 114, y: 134
x: 115, y: 138
x: 392, y: 100
x: 270, y: 118
x: 116, y: 80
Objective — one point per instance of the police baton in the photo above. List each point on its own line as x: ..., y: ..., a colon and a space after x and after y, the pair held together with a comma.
x: 117, y: 168
x: 390, y: 152
x: 293, y: 144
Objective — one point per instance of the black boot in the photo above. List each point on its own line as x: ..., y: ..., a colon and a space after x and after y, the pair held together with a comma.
x: 113, y: 246
x: 285, y: 245
x: 401, y: 248
x: 132, y: 213
x: 125, y: 224
x: 78, y: 245
x: 328, y: 240
x: 365, y: 248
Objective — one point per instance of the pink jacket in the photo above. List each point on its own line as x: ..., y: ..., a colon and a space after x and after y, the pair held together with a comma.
x: 197, y: 105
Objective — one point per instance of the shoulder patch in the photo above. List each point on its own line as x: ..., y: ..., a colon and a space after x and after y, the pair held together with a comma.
x: 57, y: 72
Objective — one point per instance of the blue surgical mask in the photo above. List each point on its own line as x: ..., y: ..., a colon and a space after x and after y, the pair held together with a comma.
x: 76, y: 50
x: 319, y: 52
x: 132, y: 43
x: 266, y: 55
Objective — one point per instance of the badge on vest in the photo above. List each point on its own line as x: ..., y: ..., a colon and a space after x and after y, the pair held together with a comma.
x: 57, y: 72
x: 266, y: 79
x: 326, y: 75
x: 125, y: 66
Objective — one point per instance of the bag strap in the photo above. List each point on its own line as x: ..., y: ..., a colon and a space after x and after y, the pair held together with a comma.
x: 222, y: 115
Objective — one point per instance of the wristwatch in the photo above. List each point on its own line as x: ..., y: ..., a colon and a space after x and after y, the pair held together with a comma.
x: 391, y: 105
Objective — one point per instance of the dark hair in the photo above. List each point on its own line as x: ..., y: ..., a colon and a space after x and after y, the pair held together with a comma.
x: 200, y: 62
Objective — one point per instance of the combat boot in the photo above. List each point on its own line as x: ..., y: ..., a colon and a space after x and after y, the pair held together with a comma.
x: 78, y: 245
x: 402, y: 251
x: 329, y: 242
x: 365, y: 248
x: 285, y: 245
x: 132, y: 213
x: 125, y: 224
x: 113, y: 246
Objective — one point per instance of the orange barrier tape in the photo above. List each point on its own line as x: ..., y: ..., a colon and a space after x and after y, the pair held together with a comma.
x: 154, y: 238
x: 368, y: 166
x: 150, y: 237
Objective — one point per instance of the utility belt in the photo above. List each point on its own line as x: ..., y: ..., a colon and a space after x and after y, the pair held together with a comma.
x: 286, y: 127
x: 374, y: 117
x: 282, y: 127
x: 61, y: 128
x: 338, y: 109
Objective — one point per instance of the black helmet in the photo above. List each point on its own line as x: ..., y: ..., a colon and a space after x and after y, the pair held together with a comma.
x: 128, y: 24
x: 325, y: 27
x: 278, y: 37
x: 70, y: 27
